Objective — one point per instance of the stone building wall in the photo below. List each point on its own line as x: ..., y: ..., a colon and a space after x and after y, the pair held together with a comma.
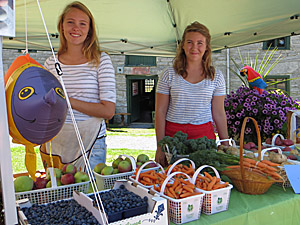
x: 288, y: 66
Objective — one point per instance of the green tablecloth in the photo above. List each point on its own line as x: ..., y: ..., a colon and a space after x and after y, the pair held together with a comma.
x: 274, y: 207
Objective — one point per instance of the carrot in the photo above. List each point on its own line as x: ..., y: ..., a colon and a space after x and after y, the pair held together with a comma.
x: 146, y: 183
x: 270, y: 163
x: 252, y: 161
x: 208, y: 175
x: 179, y: 191
x: 172, y: 192
x: 190, y: 171
x: 187, y: 194
x: 233, y: 167
x: 276, y: 175
x: 147, y: 179
x: 185, y: 187
x: 168, y: 193
x: 175, y: 184
x: 185, y: 181
x: 186, y: 167
x: 218, y: 186
x: 168, y: 168
x: 212, y: 183
x: 178, y: 187
x: 200, y: 177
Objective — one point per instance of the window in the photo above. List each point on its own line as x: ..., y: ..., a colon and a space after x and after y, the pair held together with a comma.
x: 284, y: 84
x: 149, y: 85
x: 281, y: 43
x: 134, y: 60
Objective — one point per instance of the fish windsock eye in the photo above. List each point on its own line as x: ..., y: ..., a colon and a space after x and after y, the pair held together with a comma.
x: 26, y: 92
x: 60, y: 92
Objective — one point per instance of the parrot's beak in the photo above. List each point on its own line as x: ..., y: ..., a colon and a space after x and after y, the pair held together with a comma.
x: 243, y: 72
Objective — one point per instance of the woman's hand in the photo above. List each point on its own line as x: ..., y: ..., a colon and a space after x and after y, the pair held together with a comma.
x: 160, y: 157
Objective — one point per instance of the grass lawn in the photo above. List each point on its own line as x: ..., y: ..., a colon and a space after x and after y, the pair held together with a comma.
x: 18, y: 153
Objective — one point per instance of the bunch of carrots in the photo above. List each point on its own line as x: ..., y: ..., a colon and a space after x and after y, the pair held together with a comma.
x: 179, y: 189
x: 263, y: 167
x: 189, y: 170
x: 209, y: 183
x: 151, y: 177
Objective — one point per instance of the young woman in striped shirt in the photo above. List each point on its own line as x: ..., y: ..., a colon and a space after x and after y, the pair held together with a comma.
x: 190, y: 95
x: 88, y: 73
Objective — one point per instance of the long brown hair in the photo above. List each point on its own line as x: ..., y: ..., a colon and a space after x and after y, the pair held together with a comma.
x: 91, y: 48
x: 180, y: 63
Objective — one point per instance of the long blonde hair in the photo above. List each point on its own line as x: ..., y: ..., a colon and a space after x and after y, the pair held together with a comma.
x: 180, y: 62
x: 91, y: 48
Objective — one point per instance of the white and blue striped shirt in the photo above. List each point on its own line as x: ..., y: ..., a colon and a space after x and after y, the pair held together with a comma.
x: 88, y: 83
x: 190, y: 103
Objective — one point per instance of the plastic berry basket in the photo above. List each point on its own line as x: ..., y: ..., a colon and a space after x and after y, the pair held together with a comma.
x: 182, y: 210
x: 216, y: 200
x: 47, y: 195
x: 107, y: 181
x: 135, y: 179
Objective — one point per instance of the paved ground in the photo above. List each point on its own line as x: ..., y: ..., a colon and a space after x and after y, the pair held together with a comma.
x: 141, y: 143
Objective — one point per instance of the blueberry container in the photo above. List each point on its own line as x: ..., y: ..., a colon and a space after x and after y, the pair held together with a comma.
x: 112, y: 217
x: 135, y: 211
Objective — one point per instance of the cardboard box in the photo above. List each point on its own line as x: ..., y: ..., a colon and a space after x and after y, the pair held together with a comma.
x: 157, y: 212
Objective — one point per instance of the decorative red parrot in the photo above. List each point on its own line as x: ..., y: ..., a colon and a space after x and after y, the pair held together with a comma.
x: 254, y: 78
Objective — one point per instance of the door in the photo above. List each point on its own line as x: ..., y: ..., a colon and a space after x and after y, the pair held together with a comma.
x: 141, y: 97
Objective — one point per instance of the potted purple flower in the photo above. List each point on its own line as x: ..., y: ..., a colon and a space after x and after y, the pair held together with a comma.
x: 268, y: 109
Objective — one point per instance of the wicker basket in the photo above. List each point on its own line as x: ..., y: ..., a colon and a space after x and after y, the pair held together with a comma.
x: 169, y: 155
x: 247, y: 181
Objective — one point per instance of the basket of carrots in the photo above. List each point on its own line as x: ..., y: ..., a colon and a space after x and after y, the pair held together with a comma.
x: 252, y: 176
x: 184, y: 200
x: 150, y: 177
x: 217, y: 192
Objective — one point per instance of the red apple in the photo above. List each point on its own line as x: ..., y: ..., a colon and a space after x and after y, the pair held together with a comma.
x: 124, y: 166
x: 292, y: 157
x: 67, y: 178
x: 286, y: 149
x: 69, y: 168
x: 40, y: 183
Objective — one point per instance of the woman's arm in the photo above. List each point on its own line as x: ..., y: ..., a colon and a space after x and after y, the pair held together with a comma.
x: 161, y: 107
x: 104, y: 109
x: 219, y: 116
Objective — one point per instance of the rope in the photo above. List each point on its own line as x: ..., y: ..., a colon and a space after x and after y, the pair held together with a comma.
x: 82, y: 149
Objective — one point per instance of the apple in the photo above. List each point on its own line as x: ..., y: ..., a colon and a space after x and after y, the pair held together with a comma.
x: 108, y: 170
x: 40, y: 183
x: 124, y: 166
x: 269, y: 141
x: 278, y: 141
x: 49, y: 184
x: 98, y: 168
x: 151, y: 165
x: 286, y: 149
x: 115, y: 171
x: 23, y: 183
x: 81, y: 177
x: 69, y: 168
x: 142, y: 158
x: 128, y: 159
x: 292, y: 157
x: 139, y: 164
x: 116, y: 162
x: 57, y: 172
x: 67, y: 178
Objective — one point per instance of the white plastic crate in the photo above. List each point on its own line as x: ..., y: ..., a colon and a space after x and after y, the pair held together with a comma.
x: 47, y: 195
x: 182, y: 210
x: 107, y: 181
x: 142, y: 170
x: 216, y: 200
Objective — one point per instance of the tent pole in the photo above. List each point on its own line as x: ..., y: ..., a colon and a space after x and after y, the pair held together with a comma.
x: 7, y: 184
x: 227, y: 70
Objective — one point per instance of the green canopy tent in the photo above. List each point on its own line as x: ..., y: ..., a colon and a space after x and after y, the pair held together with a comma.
x: 153, y: 27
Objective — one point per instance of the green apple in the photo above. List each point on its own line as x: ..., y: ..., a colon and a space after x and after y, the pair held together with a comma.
x: 124, y: 166
x: 116, y: 162
x: 142, y: 158
x: 98, y: 168
x: 69, y: 168
x: 57, y: 172
x: 23, y: 183
x: 81, y: 177
x: 49, y: 184
x: 108, y: 170
x: 115, y: 171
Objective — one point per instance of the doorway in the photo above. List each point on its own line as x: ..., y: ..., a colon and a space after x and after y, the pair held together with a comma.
x: 141, y: 97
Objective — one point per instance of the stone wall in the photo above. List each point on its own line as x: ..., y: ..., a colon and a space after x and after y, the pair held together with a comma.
x: 288, y: 66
